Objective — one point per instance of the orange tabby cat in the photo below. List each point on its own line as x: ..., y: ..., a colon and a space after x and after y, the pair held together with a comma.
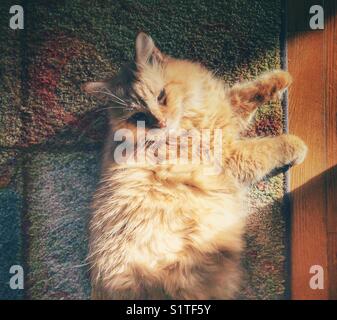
x: 169, y: 230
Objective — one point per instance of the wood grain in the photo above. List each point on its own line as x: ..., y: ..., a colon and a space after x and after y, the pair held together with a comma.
x: 306, y: 63
x: 330, y: 41
x: 313, y: 116
x: 331, y: 145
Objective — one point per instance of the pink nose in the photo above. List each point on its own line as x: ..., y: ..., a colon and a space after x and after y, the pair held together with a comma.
x: 162, y: 123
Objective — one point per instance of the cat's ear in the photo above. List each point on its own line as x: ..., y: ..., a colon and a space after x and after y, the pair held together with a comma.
x: 146, y: 51
x: 98, y: 89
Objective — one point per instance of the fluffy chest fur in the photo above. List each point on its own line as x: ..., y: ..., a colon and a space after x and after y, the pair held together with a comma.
x: 153, y: 225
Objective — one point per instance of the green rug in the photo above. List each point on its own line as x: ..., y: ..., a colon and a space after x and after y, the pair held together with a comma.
x: 50, y: 136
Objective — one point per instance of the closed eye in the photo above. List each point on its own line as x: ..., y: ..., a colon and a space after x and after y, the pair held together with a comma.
x: 149, y: 120
x: 162, y: 97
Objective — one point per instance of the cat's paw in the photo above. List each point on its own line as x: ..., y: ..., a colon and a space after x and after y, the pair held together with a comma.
x: 294, y: 149
x: 277, y: 82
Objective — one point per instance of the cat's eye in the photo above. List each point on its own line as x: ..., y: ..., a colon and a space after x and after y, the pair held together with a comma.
x: 162, y: 97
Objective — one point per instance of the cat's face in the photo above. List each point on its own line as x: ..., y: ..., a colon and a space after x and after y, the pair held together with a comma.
x: 154, y: 89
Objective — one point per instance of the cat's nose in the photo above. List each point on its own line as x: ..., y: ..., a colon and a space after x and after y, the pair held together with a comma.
x: 162, y: 123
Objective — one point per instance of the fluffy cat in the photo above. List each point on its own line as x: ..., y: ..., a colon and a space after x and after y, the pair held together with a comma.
x: 170, y: 231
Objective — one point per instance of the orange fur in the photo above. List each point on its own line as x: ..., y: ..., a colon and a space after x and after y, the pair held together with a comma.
x: 168, y: 230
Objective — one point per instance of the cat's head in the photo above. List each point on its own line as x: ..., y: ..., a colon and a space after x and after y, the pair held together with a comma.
x: 155, y: 88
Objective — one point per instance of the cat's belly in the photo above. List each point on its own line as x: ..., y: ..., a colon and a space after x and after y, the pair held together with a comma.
x: 158, y: 239
x: 188, y: 228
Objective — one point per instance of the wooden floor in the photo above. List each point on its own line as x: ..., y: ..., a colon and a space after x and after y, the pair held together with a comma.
x: 312, y: 60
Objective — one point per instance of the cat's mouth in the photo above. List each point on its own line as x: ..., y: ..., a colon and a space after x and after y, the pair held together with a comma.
x: 147, y: 118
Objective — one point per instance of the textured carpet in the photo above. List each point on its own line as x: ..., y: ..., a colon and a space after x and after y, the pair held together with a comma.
x: 50, y: 137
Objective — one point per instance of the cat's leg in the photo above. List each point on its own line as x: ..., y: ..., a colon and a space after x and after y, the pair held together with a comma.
x: 246, y: 97
x: 252, y: 159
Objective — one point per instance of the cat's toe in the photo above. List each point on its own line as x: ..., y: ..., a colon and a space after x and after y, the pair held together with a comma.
x: 296, y: 149
x: 277, y: 82
x: 282, y: 79
x: 301, y: 154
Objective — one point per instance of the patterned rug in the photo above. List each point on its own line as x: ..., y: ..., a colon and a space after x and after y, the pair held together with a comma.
x: 51, y: 138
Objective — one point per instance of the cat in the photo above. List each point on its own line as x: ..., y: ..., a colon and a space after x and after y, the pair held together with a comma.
x: 170, y: 231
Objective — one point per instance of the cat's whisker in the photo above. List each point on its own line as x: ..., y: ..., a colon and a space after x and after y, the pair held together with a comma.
x: 119, y: 101
x: 78, y: 266
x: 112, y: 107
x: 114, y: 95
x: 215, y: 72
x: 123, y: 118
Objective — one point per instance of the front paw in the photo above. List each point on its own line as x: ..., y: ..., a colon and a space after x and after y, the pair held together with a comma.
x: 294, y: 149
x: 277, y: 82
